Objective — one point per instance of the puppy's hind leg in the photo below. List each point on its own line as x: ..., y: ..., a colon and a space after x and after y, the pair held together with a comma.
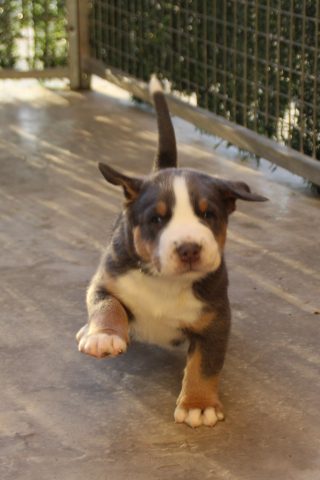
x: 107, y: 331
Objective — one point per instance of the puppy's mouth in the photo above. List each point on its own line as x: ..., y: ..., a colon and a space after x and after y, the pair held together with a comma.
x: 188, y: 267
x: 187, y: 270
x: 174, y: 266
x: 180, y: 270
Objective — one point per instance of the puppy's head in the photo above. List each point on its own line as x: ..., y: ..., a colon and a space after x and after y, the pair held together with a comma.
x: 178, y: 218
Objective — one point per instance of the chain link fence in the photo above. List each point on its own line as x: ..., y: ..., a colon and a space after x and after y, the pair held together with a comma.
x: 255, y: 63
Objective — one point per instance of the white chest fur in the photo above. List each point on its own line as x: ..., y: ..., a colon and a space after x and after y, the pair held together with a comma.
x: 160, y: 305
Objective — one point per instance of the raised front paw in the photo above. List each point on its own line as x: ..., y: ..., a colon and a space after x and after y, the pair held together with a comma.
x: 195, y: 417
x: 100, y: 344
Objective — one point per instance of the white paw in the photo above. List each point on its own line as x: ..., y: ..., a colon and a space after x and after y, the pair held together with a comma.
x: 195, y: 417
x: 101, y: 344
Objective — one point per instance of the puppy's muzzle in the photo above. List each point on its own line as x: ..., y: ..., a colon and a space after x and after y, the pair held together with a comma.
x: 189, y: 252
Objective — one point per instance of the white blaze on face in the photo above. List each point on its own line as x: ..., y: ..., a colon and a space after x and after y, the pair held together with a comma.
x: 185, y: 227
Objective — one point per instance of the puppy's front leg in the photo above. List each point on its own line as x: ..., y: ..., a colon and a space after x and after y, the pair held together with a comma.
x: 107, y: 332
x: 198, y: 403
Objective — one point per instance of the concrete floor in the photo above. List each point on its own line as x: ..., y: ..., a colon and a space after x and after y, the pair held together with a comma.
x: 67, y: 416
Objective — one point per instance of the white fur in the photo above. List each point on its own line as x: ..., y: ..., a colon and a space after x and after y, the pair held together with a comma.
x: 195, y: 417
x: 100, y: 344
x: 160, y: 305
x: 154, y: 85
x: 185, y: 226
x: 209, y: 417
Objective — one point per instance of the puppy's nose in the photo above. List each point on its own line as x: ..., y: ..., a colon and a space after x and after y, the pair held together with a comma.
x: 189, y: 252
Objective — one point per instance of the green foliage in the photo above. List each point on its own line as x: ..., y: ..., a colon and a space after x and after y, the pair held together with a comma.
x: 38, y: 25
x: 254, y: 63
x: 9, y: 28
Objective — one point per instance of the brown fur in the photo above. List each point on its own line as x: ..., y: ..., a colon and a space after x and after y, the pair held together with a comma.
x: 221, y: 237
x: 198, y: 390
x: 143, y: 248
x: 201, y: 324
x: 161, y: 208
x: 203, y: 205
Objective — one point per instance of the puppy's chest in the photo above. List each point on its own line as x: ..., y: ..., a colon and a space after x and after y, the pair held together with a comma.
x: 161, y: 307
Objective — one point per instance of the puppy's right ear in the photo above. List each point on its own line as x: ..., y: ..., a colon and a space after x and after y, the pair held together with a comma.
x: 131, y: 185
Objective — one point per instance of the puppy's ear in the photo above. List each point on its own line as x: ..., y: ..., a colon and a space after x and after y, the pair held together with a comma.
x: 131, y: 185
x: 231, y: 191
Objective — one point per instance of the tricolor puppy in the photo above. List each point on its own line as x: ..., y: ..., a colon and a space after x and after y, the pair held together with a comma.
x: 163, y: 277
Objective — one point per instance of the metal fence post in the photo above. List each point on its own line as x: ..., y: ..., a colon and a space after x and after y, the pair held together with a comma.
x: 77, y: 13
x: 84, y: 48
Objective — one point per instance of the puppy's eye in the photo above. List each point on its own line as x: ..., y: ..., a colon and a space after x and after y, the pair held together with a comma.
x: 156, y: 220
x: 208, y: 215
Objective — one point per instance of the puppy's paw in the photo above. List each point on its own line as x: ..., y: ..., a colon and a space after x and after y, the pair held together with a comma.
x: 195, y: 417
x: 100, y: 344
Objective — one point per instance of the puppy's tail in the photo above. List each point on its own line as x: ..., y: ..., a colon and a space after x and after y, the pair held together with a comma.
x: 166, y: 156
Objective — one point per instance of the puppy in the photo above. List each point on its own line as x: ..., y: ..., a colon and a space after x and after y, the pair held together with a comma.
x: 163, y: 277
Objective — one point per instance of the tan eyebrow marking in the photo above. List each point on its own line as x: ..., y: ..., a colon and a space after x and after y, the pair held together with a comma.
x: 203, y: 205
x: 161, y: 208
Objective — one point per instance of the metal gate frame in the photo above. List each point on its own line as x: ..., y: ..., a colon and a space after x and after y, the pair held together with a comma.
x: 78, y: 49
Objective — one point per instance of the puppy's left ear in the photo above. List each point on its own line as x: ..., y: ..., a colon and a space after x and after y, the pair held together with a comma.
x: 131, y: 185
x: 231, y: 191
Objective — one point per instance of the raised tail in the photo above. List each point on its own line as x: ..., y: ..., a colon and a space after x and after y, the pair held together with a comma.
x: 166, y: 156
